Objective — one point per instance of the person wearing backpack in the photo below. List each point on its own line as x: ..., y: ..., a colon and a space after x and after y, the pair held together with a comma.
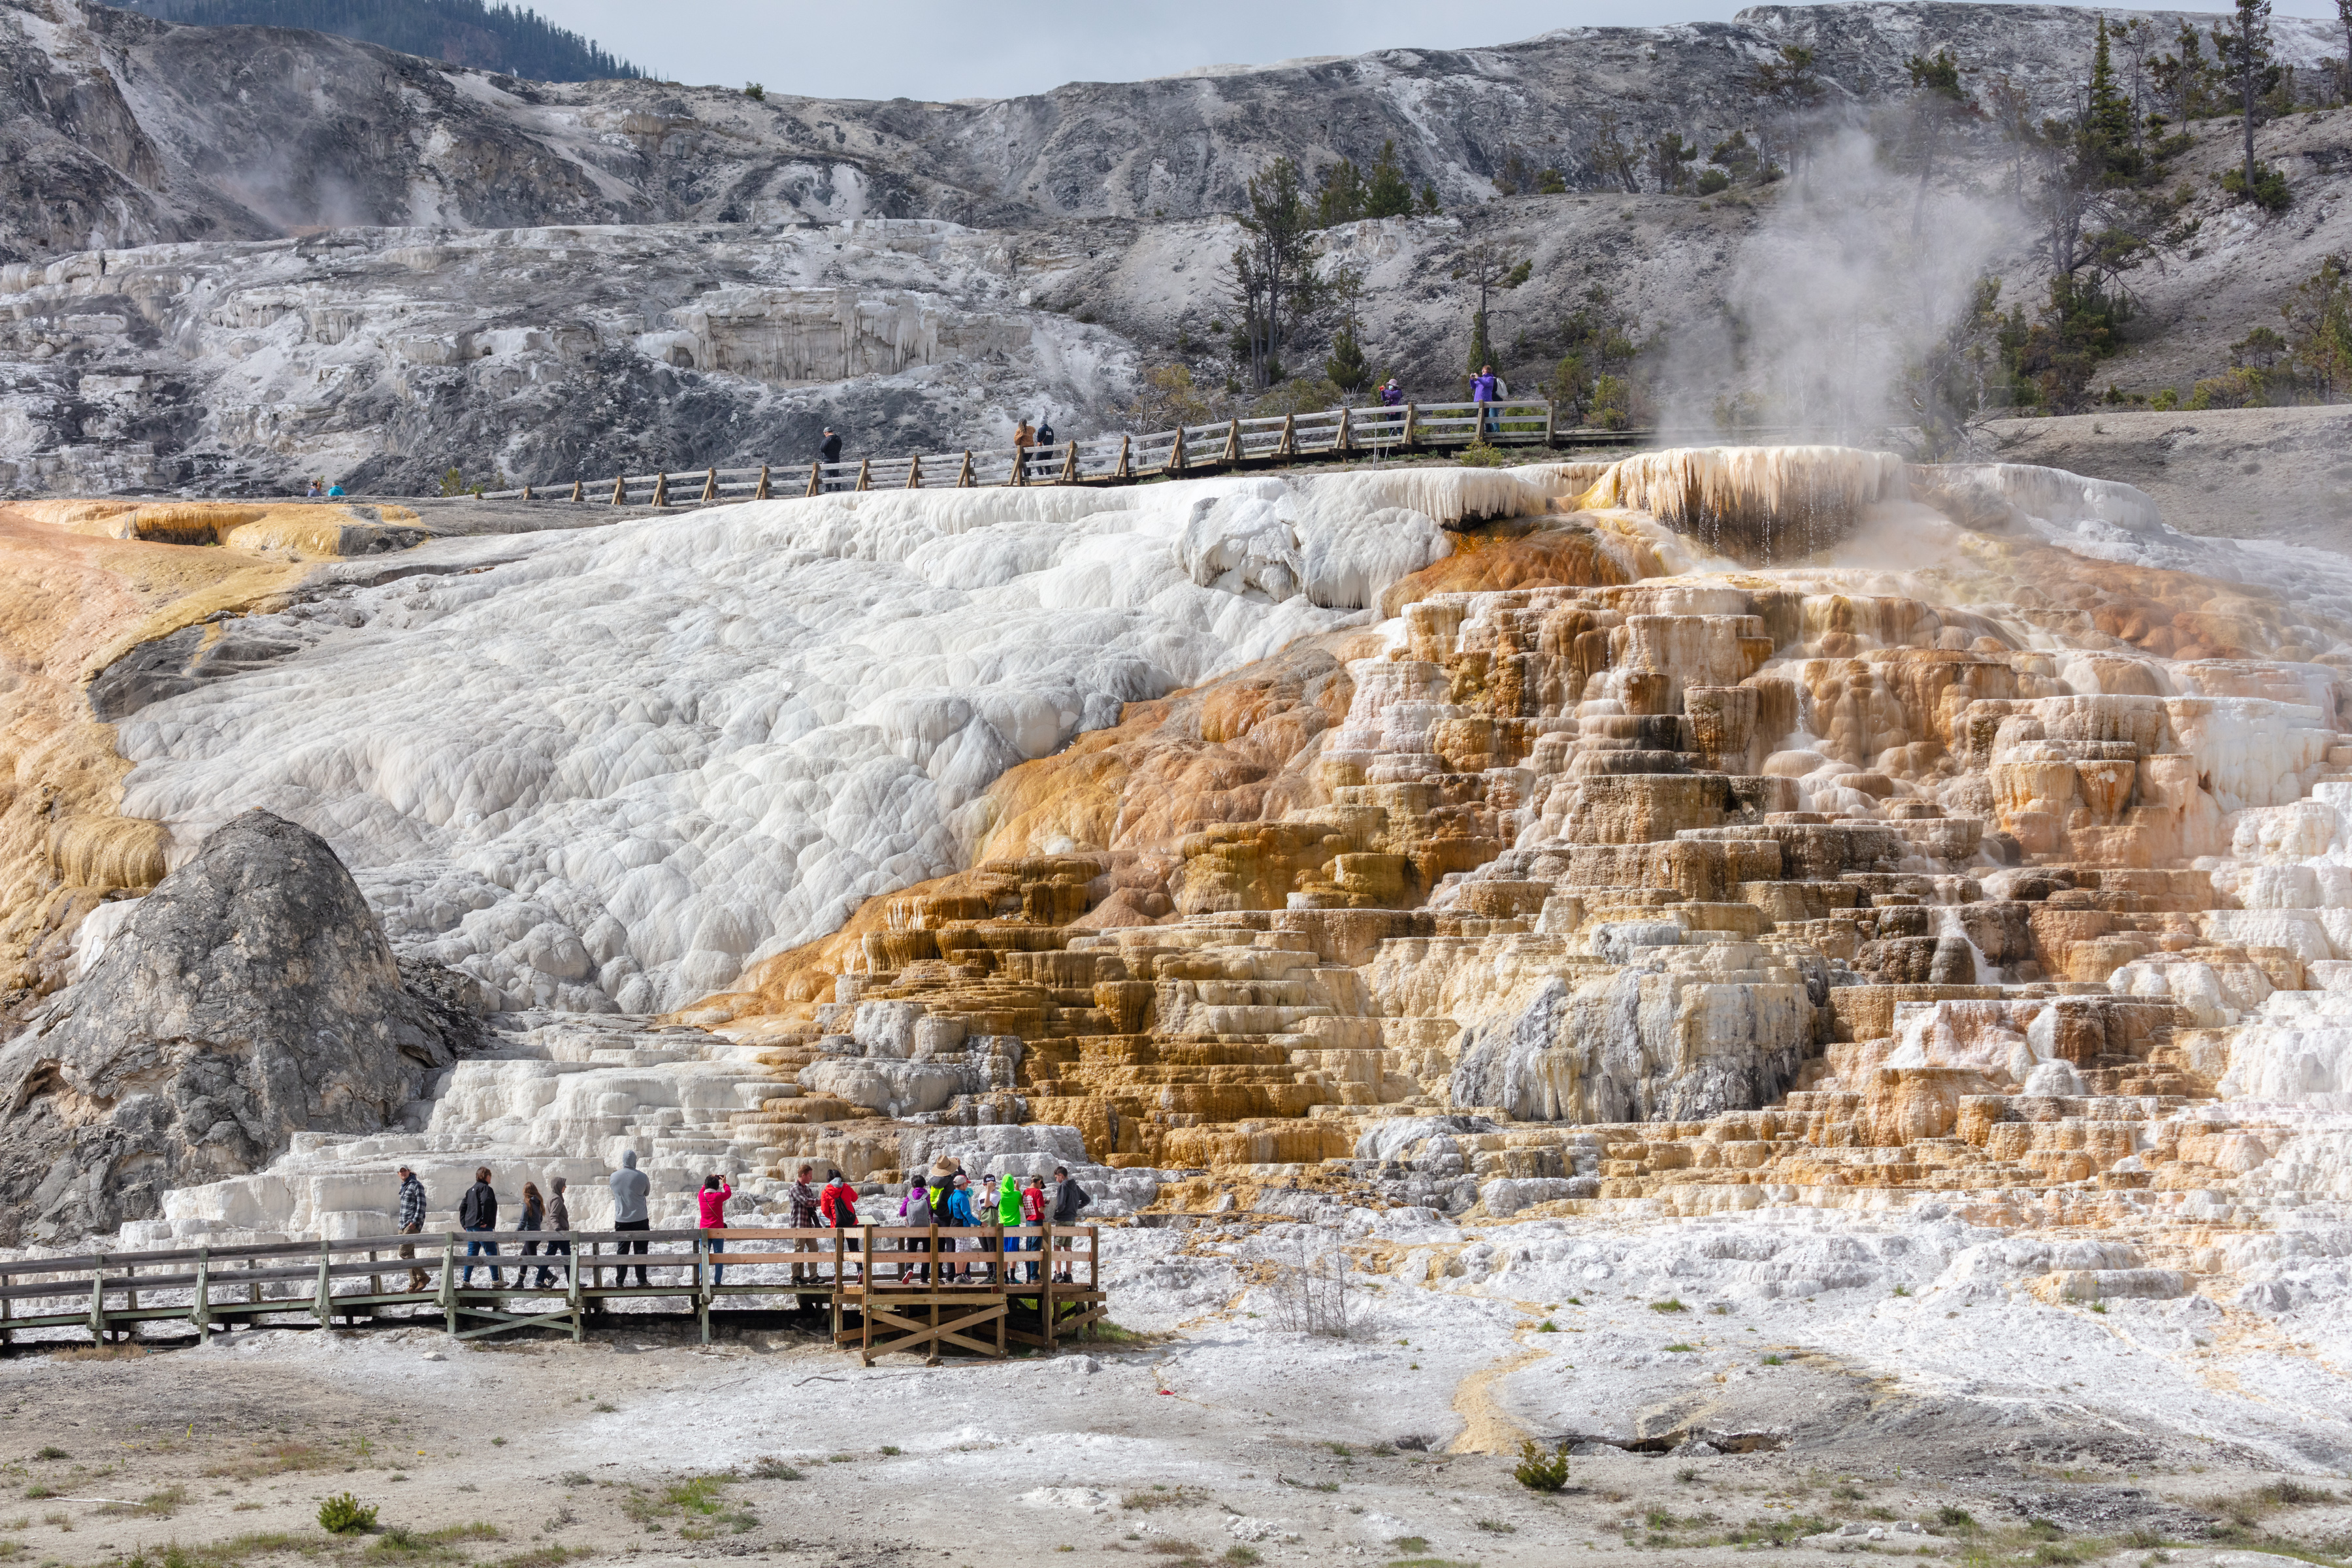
x: 960, y: 1215
x: 837, y: 1206
x: 1033, y: 1212
x: 1069, y: 1198
x: 917, y: 1213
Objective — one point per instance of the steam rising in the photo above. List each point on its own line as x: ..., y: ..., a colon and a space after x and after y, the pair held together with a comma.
x: 1854, y: 277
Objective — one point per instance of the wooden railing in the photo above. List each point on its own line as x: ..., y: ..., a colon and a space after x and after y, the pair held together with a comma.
x: 1046, y: 1288
x: 1193, y: 450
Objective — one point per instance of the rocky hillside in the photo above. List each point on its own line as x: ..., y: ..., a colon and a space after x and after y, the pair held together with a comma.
x: 246, y: 256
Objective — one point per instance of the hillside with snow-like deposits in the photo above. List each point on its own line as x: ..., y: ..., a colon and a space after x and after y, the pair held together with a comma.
x: 610, y: 767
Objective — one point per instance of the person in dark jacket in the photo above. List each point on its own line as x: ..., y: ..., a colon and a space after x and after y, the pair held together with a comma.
x: 803, y: 1201
x: 534, y: 1220
x: 559, y: 1220
x: 412, y: 1220
x: 828, y: 451
x: 479, y: 1211
x: 1068, y: 1199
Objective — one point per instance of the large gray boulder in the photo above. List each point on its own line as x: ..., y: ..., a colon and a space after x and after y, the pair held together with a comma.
x: 251, y: 996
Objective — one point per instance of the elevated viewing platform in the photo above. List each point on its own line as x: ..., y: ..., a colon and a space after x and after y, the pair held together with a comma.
x: 884, y: 1289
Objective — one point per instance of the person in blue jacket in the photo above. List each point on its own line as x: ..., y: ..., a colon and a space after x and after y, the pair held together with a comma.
x: 959, y: 1213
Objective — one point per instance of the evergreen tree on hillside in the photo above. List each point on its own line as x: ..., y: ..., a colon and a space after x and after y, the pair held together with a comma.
x: 501, y: 37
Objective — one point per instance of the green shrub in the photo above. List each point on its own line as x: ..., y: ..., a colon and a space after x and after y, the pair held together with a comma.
x: 2267, y: 190
x: 1479, y: 454
x: 346, y: 1515
x: 1711, y: 180
x: 1539, y: 1471
x: 1673, y: 1304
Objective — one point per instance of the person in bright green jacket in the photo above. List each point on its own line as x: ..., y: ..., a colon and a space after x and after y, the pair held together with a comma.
x: 1008, y: 1214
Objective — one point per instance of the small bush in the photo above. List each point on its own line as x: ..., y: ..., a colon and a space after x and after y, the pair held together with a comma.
x: 1775, y: 1361
x: 1685, y: 1348
x: 1539, y: 1471
x: 1670, y: 1304
x: 1952, y: 1517
x: 1711, y: 180
x: 1481, y: 454
x: 2267, y: 190
x: 770, y: 1469
x: 1498, y: 1527
x: 755, y: 92
x: 346, y: 1515
x: 1547, y: 1327
x: 52, y: 1452
x: 1244, y: 1555
x: 892, y: 1449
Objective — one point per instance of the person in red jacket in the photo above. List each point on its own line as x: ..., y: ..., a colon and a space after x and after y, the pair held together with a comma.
x: 839, y: 1205
x: 1033, y: 1212
x: 713, y: 1198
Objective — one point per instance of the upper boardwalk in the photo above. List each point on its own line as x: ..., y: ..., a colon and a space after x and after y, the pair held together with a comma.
x: 884, y: 1288
x: 1191, y: 451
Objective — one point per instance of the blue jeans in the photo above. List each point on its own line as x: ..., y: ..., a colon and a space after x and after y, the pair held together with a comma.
x: 474, y: 1248
x: 718, y: 1271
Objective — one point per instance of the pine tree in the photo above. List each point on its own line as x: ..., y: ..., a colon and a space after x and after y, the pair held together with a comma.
x: 2107, y: 120
x: 1345, y: 363
x: 1482, y: 353
x: 1389, y: 193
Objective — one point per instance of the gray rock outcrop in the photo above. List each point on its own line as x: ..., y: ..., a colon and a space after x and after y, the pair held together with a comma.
x: 252, y: 997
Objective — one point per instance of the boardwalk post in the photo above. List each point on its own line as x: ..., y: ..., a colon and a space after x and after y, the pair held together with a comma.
x: 1125, y: 469
x: 1177, y: 457
x: 1412, y: 416
x: 816, y: 477
x: 1070, y: 466
x: 1288, y: 446
x: 526, y: 491
x: 98, y: 1299
x: 323, y: 1303
x: 449, y: 1278
x: 578, y: 490
x: 1046, y: 1296
x: 620, y: 489
x: 915, y: 472
x: 200, y: 1307
x: 761, y: 493
x: 1345, y: 440
x: 703, y: 1286
x: 865, y: 473
x: 1232, y: 441
x: 964, y: 480
x: 661, y: 490
x: 1549, y: 410
x: 572, y: 1295
x: 710, y: 484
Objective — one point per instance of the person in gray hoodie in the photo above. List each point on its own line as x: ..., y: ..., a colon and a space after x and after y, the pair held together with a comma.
x: 629, y: 1188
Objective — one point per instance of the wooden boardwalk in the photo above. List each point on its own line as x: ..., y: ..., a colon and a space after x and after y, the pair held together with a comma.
x: 1192, y: 451
x: 884, y: 1288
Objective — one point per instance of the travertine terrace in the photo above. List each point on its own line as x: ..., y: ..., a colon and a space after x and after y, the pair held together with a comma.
x: 2003, y: 873
x: 1774, y: 873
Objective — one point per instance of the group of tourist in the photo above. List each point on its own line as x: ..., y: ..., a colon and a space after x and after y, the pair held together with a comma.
x: 946, y: 1197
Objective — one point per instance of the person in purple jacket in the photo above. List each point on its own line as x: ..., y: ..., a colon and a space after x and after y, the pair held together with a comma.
x: 1482, y: 393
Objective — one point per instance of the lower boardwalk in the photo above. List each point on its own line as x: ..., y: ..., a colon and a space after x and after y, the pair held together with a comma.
x: 883, y: 1288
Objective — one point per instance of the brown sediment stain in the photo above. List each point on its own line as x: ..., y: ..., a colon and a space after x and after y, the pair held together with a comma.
x: 1485, y: 1429
x: 1527, y: 552
x: 75, y: 602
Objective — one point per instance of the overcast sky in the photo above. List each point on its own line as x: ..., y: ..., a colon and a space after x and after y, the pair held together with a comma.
x: 934, y: 49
